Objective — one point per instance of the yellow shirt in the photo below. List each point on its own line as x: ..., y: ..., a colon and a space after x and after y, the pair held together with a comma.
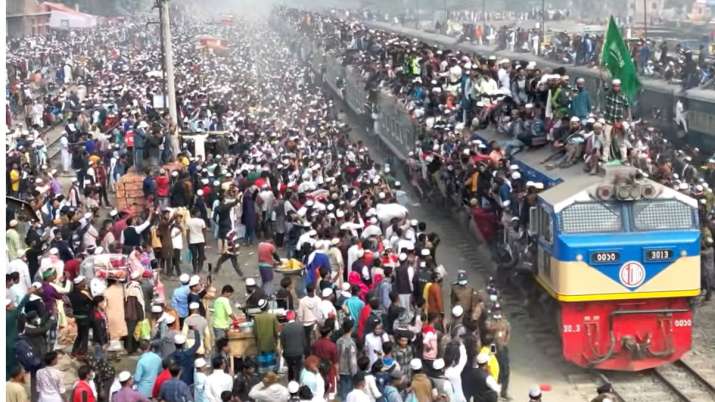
x: 15, y: 392
x: 15, y: 180
x: 492, y: 364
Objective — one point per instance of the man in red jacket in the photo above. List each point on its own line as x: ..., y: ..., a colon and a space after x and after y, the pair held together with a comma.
x: 82, y: 391
x: 163, y: 184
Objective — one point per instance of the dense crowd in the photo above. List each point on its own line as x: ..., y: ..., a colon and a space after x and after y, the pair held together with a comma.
x: 365, y: 321
x: 664, y: 59
x: 452, y: 96
x: 262, y: 161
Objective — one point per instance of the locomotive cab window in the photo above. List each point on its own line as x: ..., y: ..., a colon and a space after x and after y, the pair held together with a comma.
x: 592, y: 217
x: 661, y: 214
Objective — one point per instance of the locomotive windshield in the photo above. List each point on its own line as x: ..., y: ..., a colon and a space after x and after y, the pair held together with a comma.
x: 608, y: 217
x: 662, y: 215
x: 592, y: 217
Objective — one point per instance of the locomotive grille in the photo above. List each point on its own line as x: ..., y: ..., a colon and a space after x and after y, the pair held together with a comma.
x: 591, y: 217
x: 661, y: 214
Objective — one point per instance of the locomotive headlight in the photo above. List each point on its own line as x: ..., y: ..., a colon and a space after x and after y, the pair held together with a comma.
x: 579, y: 257
x: 683, y: 253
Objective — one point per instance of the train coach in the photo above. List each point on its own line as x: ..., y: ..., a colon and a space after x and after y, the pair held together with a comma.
x: 619, y: 258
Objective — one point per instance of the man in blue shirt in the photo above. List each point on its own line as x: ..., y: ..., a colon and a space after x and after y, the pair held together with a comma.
x: 180, y: 298
x: 148, y: 368
x: 354, y: 305
x: 176, y: 390
x: 184, y: 358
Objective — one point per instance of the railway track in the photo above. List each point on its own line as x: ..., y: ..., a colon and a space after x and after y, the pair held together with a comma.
x: 686, y: 379
x: 689, y: 380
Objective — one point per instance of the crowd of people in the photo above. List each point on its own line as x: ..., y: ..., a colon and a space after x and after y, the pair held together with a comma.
x: 90, y: 283
x: 368, y: 319
x: 452, y: 95
x: 664, y: 59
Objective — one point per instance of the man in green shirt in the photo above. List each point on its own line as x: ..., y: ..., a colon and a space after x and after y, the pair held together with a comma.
x: 223, y: 314
x: 14, y: 241
x: 266, y: 328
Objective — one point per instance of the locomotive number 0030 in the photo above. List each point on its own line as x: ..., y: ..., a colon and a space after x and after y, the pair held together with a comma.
x: 605, y: 257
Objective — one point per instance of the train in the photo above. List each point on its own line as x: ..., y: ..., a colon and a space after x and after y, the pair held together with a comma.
x: 619, y: 258
x: 621, y: 295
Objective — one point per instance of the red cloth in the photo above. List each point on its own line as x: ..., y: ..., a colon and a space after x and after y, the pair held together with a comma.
x: 486, y: 221
x: 162, y: 185
x: 354, y: 279
x: 160, y: 379
x: 362, y: 320
x: 327, y: 350
x: 71, y: 269
x: 81, y: 387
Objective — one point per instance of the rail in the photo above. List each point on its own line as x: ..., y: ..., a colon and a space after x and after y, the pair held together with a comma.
x: 680, y: 381
x: 686, y: 382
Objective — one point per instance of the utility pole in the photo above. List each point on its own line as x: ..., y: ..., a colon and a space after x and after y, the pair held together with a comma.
x: 168, y: 67
x: 645, y: 20
x: 543, y: 27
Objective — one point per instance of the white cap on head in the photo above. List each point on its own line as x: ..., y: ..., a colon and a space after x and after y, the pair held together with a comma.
x: 345, y: 287
x: 155, y: 308
x: 250, y: 282
x: 416, y: 364
x: 438, y: 364
x: 193, y: 306
x: 200, y: 363
x: 13, y: 223
x: 482, y: 358
x: 262, y: 303
x: 184, y: 278
x: 124, y: 376
x: 327, y: 292
x: 457, y: 311
x: 293, y: 387
x: 179, y: 339
x: 54, y: 250
x: 425, y: 252
x: 534, y: 391
x: 616, y: 81
x: 402, y: 257
x: 78, y: 279
x: 194, y: 280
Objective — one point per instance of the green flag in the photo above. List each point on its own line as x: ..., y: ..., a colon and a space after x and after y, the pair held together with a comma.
x: 617, y: 59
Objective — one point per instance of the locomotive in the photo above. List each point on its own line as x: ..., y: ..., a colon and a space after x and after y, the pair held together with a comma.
x: 619, y: 258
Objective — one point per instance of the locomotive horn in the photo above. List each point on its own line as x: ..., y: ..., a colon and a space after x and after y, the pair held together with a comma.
x: 648, y: 191
x: 604, y: 192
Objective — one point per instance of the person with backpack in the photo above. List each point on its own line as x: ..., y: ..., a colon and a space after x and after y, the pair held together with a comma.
x: 392, y: 390
x: 82, y: 390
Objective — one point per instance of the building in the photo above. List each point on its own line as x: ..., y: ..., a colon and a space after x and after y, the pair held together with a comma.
x: 30, y: 17
x: 653, y: 10
x: 26, y: 17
